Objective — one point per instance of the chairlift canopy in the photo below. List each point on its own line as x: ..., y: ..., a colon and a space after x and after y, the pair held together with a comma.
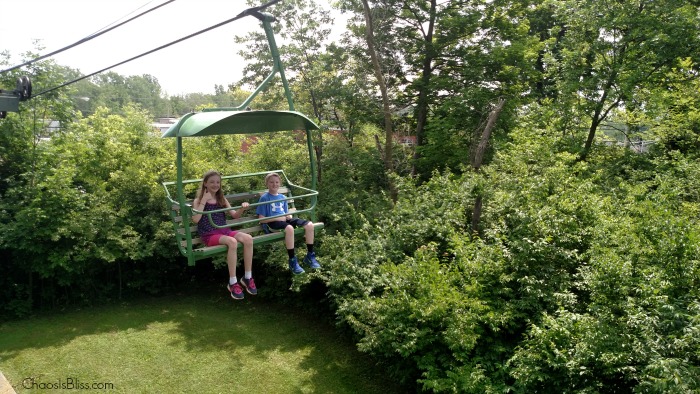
x: 238, y: 122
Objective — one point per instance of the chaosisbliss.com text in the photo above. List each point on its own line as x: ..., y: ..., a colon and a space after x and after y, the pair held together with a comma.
x: 64, y: 384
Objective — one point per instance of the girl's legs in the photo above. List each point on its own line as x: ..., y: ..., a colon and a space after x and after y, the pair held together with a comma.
x: 247, y: 280
x: 231, y: 258
x: 231, y: 254
x: 247, y: 241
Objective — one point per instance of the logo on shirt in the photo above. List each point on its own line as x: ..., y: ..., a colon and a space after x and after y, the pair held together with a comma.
x: 277, y: 207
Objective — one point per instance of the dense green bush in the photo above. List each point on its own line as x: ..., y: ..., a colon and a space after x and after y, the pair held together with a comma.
x: 353, y: 185
x: 88, y: 212
x: 584, y: 277
x: 634, y: 326
x: 376, y: 269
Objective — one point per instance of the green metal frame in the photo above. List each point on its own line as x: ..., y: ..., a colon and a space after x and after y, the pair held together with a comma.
x: 9, y: 102
x: 236, y: 120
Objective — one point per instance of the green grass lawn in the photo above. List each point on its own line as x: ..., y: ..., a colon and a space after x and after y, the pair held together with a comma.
x: 188, y: 344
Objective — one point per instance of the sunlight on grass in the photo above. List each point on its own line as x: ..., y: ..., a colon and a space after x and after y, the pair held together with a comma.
x: 188, y: 344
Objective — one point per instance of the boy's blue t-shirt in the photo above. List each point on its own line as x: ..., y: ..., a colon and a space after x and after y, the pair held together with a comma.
x: 273, y: 208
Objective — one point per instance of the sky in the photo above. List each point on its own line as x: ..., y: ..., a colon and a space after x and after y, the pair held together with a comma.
x: 192, y: 66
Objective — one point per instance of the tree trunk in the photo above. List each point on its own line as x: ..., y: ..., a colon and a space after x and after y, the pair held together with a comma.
x: 379, y: 146
x: 599, y: 115
x: 423, y: 88
x: 476, y: 213
x: 389, y: 134
x: 478, y: 158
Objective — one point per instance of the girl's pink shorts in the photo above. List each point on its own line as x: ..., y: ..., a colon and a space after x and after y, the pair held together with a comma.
x: 212, y: 239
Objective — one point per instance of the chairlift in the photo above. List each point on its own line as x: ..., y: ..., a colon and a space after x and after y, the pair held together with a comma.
x: 239, y: 120
x: 9, y: 100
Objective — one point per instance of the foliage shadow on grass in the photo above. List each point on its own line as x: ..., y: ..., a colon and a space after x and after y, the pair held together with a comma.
x: 252, y: 331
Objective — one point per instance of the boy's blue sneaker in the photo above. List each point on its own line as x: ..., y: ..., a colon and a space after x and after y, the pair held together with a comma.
x: 294, y: 266
x: 310, y: 259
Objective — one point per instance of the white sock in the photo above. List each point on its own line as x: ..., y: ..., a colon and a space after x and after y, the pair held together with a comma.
x: 248, y: 274
x: 232, y: 280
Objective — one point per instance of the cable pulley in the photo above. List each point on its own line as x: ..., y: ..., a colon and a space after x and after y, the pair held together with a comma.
x: 24, y: 88
x: 9, y: 100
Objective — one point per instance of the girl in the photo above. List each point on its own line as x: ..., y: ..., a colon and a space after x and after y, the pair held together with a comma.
x: 210, y: 198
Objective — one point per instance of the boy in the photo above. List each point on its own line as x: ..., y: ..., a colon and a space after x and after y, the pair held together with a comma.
x: 286, y: 223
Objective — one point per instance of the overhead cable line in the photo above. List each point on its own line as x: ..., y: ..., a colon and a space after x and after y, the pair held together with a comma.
x: 254, y: 11
x: 86, y: 39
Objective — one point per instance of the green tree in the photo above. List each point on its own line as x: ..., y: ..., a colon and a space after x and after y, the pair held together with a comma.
x: 22, y: 132
x: 115, y: 91
x: 674, y: 111
x: 145, y: 91
x: 376, y: 62
x: 91, y: 202
x: 352, y: 98
x: 610, y: 51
